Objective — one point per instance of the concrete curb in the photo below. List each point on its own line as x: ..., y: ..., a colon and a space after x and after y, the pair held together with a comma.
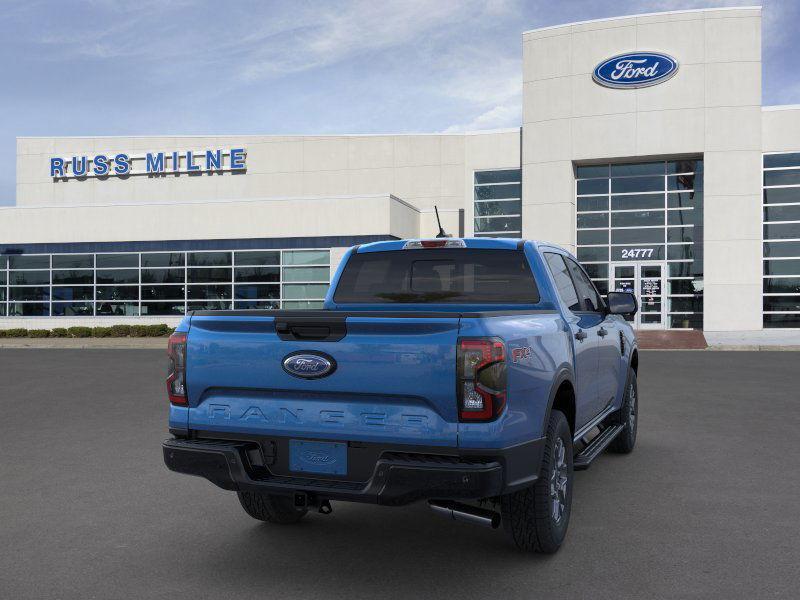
x: 84, y: 343
x: 754, y: 347
x: 729, y: 348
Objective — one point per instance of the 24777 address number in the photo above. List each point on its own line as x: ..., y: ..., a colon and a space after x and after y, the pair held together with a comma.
x: 637, y: 252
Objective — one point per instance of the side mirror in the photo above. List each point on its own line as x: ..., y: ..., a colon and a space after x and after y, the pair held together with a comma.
x: 622, y: 303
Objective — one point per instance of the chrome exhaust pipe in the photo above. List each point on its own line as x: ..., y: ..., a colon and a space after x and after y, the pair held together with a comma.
x: 466, y: 513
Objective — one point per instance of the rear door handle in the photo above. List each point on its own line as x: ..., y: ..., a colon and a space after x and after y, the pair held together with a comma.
x: 581, y: 335
x: 602, y: 332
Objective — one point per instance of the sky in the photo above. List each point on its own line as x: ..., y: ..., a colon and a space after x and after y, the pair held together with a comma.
x: 175, y: 67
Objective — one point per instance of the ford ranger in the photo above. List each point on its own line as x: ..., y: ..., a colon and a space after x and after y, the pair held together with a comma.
x: 474, y: 374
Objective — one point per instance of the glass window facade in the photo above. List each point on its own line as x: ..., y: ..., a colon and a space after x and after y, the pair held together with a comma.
x: 498, y: 203
x: 645, y: 212
x: 130, y: 284
x: 781, y: 300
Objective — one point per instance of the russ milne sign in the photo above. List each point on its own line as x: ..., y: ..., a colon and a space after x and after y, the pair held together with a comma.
x: 151, y: 163
x: 635, y: 70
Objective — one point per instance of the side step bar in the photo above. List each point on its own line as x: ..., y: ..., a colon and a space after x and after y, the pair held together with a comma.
x: 584, y: 458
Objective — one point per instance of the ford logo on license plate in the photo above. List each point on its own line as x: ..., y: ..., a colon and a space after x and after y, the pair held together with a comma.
x: 309, y: 365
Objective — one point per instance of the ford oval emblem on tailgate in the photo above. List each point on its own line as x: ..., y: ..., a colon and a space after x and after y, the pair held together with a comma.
x: 309, y: 365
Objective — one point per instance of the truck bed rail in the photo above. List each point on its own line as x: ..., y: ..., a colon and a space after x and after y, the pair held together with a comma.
x: 385, y: 314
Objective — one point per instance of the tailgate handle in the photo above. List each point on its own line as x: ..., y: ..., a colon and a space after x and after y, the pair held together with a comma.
x: 313, y: 330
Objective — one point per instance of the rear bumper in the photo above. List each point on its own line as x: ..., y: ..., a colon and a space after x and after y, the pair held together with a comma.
x: 399, y: 477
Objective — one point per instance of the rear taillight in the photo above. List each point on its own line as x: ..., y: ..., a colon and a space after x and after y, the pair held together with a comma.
x: 176, y: 374
x: 481, y: 378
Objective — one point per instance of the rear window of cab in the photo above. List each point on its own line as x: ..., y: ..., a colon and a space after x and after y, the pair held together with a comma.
x: 438, y: 276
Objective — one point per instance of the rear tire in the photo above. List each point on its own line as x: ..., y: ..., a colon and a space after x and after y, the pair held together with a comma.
x: 270, y: 507
x: 628, y: 416
x: 537, y: 517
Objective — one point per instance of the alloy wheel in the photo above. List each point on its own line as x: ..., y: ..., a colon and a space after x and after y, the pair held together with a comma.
x: 558, y: 481
x: 632, y: 407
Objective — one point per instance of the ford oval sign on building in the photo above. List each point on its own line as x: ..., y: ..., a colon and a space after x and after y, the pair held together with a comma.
x: 635, y: 70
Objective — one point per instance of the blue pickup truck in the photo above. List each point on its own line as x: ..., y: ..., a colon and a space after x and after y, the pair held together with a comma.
x: 474, y: 374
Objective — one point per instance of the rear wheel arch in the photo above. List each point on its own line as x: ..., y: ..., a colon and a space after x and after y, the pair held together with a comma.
x: 562, y: 398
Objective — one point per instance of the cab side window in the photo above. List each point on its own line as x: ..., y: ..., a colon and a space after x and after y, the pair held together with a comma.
x: 590, y: 299
x: 564, y: 285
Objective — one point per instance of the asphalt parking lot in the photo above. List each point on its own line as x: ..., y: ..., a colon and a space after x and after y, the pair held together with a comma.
x: 708, y: 506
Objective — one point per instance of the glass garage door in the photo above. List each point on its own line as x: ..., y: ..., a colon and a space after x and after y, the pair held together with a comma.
x: 781, y: 301
x: 643, y: 214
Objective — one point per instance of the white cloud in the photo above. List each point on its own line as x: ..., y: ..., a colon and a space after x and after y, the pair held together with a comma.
x: 490, y: 90
x: 107, y: 29
x: 464, y: 56
x: 777, y: 14
x: 497, y: 117
x: 338, y: 33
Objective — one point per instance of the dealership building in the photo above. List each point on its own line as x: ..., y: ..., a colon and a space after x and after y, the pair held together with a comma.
x: 644, y: 148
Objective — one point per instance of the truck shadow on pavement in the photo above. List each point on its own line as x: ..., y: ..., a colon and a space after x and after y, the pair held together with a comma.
x: 366, y: 551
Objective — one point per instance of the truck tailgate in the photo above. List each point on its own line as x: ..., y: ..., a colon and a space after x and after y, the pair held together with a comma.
x: 394, y: 379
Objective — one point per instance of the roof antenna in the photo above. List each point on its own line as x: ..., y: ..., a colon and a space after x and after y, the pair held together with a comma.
x: 441, y: 233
